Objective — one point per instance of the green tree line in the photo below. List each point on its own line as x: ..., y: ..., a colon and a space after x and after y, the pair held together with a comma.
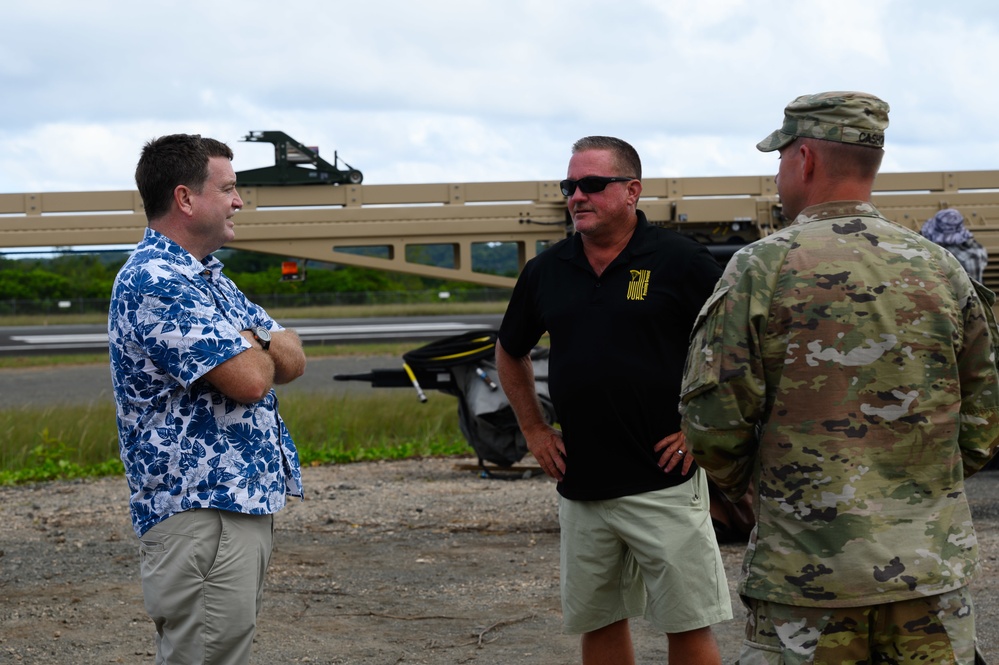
x: 91, y: 275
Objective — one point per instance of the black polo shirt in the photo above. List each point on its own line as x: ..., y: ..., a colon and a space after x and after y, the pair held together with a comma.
x: 618, y: 345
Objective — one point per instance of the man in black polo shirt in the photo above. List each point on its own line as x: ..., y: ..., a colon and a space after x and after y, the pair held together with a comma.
x: 618, y: 300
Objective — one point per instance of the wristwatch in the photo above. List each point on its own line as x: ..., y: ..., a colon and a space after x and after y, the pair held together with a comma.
x: 262, y: 335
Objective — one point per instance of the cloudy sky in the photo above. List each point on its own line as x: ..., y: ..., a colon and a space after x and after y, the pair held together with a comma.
x: 467, y: 90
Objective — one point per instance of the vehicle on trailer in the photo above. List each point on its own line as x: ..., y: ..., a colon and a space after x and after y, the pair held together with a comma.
x: 296, y: 164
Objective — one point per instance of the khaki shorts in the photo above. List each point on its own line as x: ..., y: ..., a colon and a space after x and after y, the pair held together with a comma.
x: 651, y: 554
x: 935, y: 629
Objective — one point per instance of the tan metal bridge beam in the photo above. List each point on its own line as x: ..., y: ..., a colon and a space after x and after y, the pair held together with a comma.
x: 319, y: 222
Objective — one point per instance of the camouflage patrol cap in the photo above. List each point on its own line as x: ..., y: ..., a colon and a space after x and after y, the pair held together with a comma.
x: 845, y: 117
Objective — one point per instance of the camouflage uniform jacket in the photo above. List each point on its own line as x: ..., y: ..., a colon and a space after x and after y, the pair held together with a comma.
x: 846, y: 367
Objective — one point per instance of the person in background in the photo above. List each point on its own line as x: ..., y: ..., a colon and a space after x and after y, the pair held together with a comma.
x: 946, y: 228
x: 618, y: 300
x: 207, y: 458
x: 845, y: 369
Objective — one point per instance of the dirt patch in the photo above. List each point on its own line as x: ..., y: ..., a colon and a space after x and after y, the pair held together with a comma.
x: 395, y: 562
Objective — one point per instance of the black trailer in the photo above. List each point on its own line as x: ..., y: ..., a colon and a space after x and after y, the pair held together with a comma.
x: 465, y: 366
x: 296, y: 164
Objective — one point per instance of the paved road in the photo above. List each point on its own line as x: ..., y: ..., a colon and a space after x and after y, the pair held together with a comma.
x: 85, y: 384
x: 77, y: 338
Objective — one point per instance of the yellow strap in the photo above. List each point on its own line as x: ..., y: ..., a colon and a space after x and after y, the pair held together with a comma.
x: 465, y: 353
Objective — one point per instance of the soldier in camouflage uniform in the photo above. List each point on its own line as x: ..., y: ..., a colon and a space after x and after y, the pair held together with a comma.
x: 845, y: 367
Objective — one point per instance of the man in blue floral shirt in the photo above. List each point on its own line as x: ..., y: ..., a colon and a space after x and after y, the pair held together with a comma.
x: 207, y: 458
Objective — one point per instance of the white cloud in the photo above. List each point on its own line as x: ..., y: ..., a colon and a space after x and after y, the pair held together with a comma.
x: 469, y: 90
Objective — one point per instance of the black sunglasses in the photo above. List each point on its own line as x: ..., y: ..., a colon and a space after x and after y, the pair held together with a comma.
x: 591, y: 184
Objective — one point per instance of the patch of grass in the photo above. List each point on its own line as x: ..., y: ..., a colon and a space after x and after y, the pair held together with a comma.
x: 60, y: 442
x: 355, y: 428
x: 61, y: 360
x: 66, y: 442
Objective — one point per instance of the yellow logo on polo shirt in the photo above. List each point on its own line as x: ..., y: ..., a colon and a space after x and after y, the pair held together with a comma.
x: 639, y: 285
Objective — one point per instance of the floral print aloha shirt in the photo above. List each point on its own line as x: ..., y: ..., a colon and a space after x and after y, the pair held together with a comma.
x: 184, y: 444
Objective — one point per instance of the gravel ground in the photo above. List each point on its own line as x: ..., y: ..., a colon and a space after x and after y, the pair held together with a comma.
x: 417, y: 561
x: 398, y: 562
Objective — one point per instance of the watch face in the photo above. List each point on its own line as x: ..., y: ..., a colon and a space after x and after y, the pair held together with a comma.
x: 263, y: 333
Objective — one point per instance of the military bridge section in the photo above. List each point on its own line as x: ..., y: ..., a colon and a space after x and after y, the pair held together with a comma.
x: 373, y: 226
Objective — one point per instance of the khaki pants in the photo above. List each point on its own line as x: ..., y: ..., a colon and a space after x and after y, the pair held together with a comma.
x: 203, y: 580
x: 934, y: 629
